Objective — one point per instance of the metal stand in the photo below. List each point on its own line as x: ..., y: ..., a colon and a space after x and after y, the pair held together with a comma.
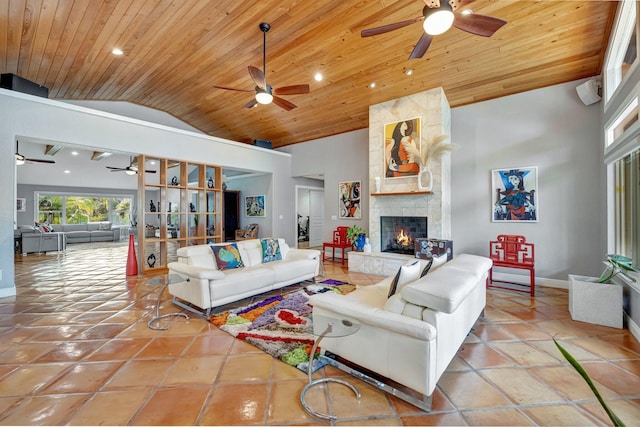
x: 164, y: 316
x: 313, y: 383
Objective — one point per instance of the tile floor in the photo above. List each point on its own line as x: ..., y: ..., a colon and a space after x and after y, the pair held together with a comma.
x: 75, y: 349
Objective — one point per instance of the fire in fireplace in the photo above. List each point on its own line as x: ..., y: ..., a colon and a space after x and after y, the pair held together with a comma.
x: 398, y: 233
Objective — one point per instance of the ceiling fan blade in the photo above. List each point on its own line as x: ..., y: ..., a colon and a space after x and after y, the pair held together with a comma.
x: 257, y: 76
x: 421, y: 47
x: 291, y: 90
x: 283, y: 103
x: 479, y: 25
x: 389, y: 27
x: 251, y: 104
x: 114, y: 169
x: 150, y: 171
x: 39, y: 160
x: 231, y: 88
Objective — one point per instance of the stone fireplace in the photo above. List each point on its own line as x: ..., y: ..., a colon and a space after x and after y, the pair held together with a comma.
x: 398, y: 233
x: 400, y: 197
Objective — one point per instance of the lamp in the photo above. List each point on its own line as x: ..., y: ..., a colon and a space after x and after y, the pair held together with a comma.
x: 19, y: 159
x: 264, y: 96
x: 438, y: 20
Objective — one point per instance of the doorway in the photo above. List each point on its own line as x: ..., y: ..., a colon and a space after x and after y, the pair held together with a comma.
x: 310, y: 214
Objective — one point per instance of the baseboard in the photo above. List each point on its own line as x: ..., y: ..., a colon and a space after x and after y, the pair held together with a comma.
x: 633, y: 327
x: 540, y: 281
x: 8, y: 292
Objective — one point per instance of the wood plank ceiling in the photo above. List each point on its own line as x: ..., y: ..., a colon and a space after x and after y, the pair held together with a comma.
x: 176, y: 50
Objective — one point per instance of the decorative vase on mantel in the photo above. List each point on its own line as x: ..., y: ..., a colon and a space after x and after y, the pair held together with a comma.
x: 425, y: 179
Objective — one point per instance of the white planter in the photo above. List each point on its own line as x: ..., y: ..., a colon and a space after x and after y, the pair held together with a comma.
x: 598, y: 303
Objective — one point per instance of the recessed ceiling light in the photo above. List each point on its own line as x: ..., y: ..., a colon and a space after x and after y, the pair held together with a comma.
x: 75, y: 153
x: 117, y: 51
x: 67, y: 171
x: 408, y: 71
x: 372, y: 85
x: 318, y: 77
x: 153, y: 162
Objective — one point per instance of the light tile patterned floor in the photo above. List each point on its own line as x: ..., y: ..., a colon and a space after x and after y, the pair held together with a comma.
x: 75, y: 349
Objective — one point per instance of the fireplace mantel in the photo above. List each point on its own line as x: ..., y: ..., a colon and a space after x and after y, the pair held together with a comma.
x: 401, y: 193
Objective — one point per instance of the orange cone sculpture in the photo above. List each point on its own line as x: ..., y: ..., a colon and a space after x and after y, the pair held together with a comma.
x: 132, y: 261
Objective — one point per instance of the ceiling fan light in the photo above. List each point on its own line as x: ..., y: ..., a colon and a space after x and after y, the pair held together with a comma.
x: 437, y: 21
x: 264, y: 97
x: 130, y: 171
x: 19, y: 159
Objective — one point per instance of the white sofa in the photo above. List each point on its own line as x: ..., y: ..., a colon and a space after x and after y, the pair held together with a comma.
x: 412, y: 336
x: 204, y: 286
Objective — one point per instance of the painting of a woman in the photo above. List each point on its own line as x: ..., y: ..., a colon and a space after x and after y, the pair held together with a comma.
x: 398, y: 162
x: 515, y: 194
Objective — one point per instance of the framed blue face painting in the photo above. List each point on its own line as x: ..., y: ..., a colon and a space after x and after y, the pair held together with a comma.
x: 514, y: 196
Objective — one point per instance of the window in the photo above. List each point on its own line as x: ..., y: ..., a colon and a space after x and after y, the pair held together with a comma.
x: 622, y: 134
x: 627, y: 212
x: 623, y: 122
x: 82, y: 209
x: 621, y: 53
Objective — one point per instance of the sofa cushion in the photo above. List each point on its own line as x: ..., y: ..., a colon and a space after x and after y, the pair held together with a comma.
x: 250, y: 252
x: 285, y: 271
x: 227, y: 256
x: 284, y: 247
x: 406, y: 274
x: 73, y: 227
x: 474, y: 264
x: 239, y: 281
x: 270, y: 250
x: 197, y: 256
x: 441, y: 290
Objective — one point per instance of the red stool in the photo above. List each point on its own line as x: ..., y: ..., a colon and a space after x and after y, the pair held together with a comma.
x: 512, y: 251
x: 340, y: 241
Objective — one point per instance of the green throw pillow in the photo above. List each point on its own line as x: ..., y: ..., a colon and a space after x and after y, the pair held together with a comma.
x: 270, y: 250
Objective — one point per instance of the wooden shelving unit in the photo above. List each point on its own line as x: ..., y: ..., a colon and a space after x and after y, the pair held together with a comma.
x: 181, y: 205
x: 401, y: 193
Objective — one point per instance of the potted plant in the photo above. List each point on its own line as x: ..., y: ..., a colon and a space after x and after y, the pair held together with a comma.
x: 356, y: 236
x: 597, y: 299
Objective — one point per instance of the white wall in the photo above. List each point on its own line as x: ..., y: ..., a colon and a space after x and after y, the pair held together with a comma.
x: 339, y: 158
x: 551, y: 129
x: 22, y: 114
x: 255, y: 186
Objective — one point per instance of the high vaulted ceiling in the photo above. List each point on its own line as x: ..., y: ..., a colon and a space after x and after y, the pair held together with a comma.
x: 175, y: 51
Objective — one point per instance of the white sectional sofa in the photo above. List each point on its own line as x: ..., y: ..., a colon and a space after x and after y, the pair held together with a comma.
x: 411, y: 337
x: 204, y: 286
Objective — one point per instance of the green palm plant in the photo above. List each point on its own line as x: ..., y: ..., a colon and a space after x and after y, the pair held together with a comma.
x: 616, y: 264
x: 576, y: 365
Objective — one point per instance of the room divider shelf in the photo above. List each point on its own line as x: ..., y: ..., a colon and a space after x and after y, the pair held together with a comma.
x: 181, y: 205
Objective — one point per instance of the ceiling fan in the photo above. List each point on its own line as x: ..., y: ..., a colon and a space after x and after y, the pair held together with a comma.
x: 20, y: 159
x: 265, y: 94
x: 132, y: 169
x: 438, y: 17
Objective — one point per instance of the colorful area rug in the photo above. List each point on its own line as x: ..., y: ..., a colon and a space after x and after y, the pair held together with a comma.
x: 280, y: 325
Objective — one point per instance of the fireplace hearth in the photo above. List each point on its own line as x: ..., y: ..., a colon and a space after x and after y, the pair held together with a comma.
x: 398, y: 233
